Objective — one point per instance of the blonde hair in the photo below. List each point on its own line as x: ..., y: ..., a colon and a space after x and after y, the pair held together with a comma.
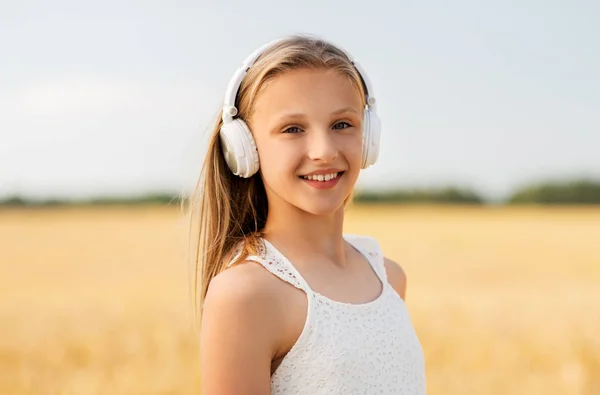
x: 227, y: 211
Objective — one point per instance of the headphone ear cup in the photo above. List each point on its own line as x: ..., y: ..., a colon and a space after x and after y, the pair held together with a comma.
x: 239, y: 148
x: 371, y: 138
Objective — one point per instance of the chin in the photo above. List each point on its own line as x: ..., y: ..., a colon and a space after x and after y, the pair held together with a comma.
x: 321, y: 207
x: 321, y: 203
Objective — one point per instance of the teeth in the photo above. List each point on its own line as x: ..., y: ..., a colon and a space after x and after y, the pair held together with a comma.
x: 321, y: 177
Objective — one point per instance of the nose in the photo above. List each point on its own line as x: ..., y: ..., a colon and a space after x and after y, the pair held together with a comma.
x: 322, y: 146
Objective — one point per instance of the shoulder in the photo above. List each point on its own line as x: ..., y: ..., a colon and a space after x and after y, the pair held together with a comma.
x: 242, y: 285
x: 245, y: 292
x: 239, y: 330
x: 396, y: 276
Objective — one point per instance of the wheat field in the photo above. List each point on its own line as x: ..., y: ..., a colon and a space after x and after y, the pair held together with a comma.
x: 504, y: 300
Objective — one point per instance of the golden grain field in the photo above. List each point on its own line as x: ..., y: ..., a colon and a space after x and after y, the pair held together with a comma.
x: 504, y: 300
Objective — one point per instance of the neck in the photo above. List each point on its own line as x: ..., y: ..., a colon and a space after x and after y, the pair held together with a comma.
x: 289, y: 226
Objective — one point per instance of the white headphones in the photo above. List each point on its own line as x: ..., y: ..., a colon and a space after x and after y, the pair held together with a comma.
x: 239, y: 148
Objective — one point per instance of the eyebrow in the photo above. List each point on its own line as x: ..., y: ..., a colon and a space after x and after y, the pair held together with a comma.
x: 344, y: 110
x: 336, y: 112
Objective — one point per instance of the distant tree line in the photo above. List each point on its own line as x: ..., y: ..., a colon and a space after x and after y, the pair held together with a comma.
x: 551, y: 192
x: 151, y: 199
x: 434, y: 195
x: 570, y: 192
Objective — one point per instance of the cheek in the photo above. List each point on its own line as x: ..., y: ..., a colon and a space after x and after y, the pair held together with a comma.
x: 354, y: 149
x: 276, y: 159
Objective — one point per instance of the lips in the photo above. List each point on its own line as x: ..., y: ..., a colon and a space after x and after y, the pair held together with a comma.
x: 322, y: 177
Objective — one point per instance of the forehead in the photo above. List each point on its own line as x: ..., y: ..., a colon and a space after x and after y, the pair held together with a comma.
x: 307, y: 90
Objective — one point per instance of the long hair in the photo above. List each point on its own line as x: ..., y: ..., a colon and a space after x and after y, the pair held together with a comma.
x: 228, y: 213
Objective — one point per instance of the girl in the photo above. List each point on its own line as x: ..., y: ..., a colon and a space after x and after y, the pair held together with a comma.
x: 288, y: 303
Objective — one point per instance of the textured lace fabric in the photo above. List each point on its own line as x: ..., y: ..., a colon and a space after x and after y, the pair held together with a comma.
x: 344, y: 348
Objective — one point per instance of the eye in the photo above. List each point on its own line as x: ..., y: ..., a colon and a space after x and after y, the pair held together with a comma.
x: 342, y: 125
x: 292, y: 129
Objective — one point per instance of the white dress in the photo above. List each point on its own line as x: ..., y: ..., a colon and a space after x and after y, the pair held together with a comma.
x: 345, y: 348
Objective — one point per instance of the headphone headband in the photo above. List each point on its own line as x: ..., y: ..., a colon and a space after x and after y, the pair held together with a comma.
x: 229, y: 109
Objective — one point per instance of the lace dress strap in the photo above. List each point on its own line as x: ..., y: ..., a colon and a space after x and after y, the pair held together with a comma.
x: 274, y: 261
x: 371, y: 249
x: 280, y: 266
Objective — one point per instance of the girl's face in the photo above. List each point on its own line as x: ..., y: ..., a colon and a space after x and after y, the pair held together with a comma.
x: 307, y: 125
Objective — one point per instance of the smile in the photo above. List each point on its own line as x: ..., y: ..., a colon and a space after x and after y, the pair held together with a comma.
x: 321, y: 177
x: 322, y: 181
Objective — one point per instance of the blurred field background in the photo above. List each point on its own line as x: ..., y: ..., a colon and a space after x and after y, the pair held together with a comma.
x: 505, y: 300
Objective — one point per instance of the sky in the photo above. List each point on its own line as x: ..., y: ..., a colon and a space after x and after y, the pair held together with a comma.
x: 116, y: 98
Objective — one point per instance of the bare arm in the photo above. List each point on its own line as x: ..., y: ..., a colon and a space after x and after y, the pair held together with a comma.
x: 396, y: 277
x: 237, y: 340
